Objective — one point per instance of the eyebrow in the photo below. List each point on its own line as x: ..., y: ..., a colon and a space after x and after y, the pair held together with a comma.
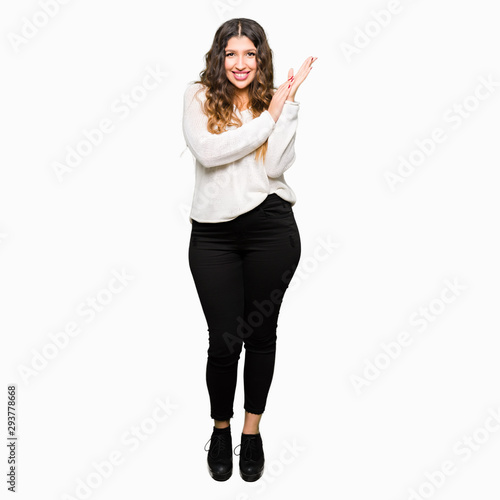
x: 248, y: 50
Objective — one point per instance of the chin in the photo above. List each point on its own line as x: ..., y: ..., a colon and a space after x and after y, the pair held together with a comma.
x: 241, y: 85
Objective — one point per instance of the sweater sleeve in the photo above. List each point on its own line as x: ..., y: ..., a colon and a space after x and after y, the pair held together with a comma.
x: 280, y: 153
x: 213, y: 150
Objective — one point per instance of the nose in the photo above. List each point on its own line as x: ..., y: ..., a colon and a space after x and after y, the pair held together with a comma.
x: 239, y: 65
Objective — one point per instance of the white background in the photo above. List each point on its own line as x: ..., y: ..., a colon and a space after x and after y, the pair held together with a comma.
x: 124, y: 209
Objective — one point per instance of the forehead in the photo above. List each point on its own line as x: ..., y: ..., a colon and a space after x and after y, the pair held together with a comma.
x: 242, y: 43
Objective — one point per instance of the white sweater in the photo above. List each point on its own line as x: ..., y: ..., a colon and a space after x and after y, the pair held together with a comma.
x: 228, y: 179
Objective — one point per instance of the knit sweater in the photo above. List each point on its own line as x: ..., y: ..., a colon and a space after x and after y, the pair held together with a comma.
x: 228, y: 179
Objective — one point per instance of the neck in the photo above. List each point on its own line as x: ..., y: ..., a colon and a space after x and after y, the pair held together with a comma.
x: 241, y: 98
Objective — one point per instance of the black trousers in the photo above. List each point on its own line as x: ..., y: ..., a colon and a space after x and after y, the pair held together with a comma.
x: 241, y: 269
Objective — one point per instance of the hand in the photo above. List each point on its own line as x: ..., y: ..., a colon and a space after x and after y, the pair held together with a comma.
x: 301, y: 75
x: 278, y: 100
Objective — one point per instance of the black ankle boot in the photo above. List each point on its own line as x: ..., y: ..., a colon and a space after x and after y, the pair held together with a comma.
x: 251, y: 457
x: 220, y: 454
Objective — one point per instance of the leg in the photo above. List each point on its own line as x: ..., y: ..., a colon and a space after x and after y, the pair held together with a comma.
x: 221, y: 424
x: 251, y: 425
x: 273, y: 253
x: 217, y: 270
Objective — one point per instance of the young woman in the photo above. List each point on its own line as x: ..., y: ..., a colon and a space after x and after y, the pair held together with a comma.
x: 245, y: 244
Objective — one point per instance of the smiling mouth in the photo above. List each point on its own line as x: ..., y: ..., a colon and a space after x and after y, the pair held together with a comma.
x: 240, y: 76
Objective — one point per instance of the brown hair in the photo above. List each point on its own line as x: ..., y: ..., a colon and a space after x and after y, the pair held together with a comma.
x: 220, y: 91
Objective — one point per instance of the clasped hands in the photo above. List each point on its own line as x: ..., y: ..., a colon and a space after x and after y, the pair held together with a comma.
x: 287, y: 90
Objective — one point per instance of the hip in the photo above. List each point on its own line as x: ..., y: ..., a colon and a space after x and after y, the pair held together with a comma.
x: 271, y: 220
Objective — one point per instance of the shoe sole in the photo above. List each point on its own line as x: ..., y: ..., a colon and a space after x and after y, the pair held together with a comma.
x: 220, y: 477
x: 249, y: 478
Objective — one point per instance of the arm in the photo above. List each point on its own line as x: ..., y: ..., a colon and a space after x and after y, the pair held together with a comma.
x: 281, y: 153
x: 280, y: 150
x: 213, y: 150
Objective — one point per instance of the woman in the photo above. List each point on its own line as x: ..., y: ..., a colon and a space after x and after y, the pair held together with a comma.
x: 245, y: 244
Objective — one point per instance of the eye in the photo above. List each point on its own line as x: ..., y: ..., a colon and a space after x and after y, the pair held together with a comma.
x: 232, y: 53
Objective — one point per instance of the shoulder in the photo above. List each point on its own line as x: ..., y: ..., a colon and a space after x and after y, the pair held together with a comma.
x: 195, y: 89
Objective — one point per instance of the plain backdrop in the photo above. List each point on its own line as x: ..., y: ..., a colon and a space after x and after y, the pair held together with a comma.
x: 386, y: 380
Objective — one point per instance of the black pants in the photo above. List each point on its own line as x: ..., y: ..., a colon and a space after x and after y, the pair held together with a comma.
x: 241, y: 269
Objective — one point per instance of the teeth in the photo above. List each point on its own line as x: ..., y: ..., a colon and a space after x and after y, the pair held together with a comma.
x: 240, y: 74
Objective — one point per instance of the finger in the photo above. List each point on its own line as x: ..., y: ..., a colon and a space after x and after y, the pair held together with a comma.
x: 283, y: 87
x: 308, y: 62
x: 303, y: 69
x: 306, y: 67
x: 282, y: 91
x: 285, y: 84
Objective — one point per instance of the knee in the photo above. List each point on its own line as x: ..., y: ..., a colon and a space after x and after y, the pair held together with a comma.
x: 225, y: 352
x: 261, y: 344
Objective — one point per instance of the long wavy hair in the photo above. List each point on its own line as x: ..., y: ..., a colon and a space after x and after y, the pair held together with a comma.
x: 220, y: 92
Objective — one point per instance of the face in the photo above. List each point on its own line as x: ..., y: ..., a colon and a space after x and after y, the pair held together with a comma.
x: 240, y: 61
